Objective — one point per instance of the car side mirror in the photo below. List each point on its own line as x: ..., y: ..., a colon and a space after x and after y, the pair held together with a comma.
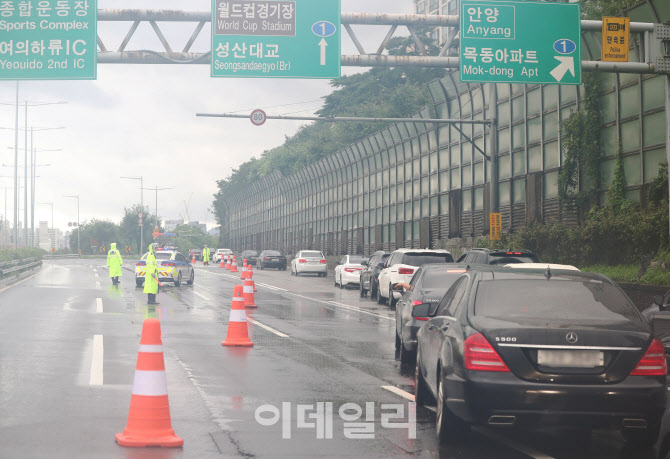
x: 421, y: 310
x: 364, y: 263
x: 380, y: 265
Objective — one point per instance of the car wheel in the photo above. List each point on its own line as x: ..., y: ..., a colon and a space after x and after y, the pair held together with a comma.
x: 177, y: 281
x: 260, y: 267
x: 297, y: 273
x: 362, y: 291
x: 380, y: 298
x: 391, y: 300
x: 421, y: 392
x: 190, y: 281
x: 373, y: 291
x: 335, y: 282
x: 139, y: 282
x: 405, y: 355
x: 341, y: 284
x: 449, y: 428
x: 397, y: 342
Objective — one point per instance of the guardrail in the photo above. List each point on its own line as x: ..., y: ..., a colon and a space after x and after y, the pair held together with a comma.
x: 18, y: 265
x: 70, y: 255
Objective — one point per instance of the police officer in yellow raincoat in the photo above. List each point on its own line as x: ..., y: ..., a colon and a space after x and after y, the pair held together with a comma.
x: 114, y: 262
x: 205, y: 256
x: 151, y: 277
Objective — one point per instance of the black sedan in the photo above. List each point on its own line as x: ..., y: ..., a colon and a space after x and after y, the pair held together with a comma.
x: 250, y: 255
x: 370, y: 273
x: 428, y: 286
x: 271, y: 259
x: 540, y: 348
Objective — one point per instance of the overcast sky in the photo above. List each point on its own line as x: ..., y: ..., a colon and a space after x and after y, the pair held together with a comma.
x: 140, y: 120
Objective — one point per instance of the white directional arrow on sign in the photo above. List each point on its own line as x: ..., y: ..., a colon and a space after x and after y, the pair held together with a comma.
x: 566, y: 63
x: 323, y: 45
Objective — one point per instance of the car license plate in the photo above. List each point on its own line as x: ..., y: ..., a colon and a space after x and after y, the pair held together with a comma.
x: 574, y: 359
x: 314, y: 262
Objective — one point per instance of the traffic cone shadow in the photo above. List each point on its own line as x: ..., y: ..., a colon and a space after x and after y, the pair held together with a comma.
x: 149, y: 421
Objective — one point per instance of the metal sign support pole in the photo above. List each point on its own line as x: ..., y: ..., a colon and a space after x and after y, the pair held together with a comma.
x: 667, y: 134
x: 493, y: 147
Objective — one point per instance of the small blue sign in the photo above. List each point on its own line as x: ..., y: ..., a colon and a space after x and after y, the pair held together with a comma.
x: 324, y: 29
x: 565, y: 46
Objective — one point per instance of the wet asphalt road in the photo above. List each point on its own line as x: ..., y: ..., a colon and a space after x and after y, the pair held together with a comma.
x: 313, y: 343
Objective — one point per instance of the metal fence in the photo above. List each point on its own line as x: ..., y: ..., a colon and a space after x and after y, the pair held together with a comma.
x: 418, y: 185
x: 17, y: 266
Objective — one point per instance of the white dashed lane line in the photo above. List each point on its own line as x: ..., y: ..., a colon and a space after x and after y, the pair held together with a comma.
x: 202, y: 296
x: 270, y: 329
x: 96, y: 362
x: 98, y: 305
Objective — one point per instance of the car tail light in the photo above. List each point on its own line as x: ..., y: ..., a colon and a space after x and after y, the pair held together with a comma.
x: 652, y: 362
x: 265, y: 258
x: 352, y: 270
x: 405, y: 270
x: 416, y: 303
x: 140, y: 263
x: 480, y: 355
x: 302, y: 261
x: 513, y: 253
x: 324, y: 261
x: 167, y: 263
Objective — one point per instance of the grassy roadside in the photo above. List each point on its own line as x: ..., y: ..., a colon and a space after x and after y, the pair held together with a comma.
x: 655, y: 275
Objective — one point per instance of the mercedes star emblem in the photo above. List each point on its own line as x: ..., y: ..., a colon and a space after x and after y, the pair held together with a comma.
x: 571, y: 337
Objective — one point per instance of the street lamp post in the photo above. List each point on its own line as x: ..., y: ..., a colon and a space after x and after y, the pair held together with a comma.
x: 141, y: 179
x: 78, y: 226
x: 156, y: 190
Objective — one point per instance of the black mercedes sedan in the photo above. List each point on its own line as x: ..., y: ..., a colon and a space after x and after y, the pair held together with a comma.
x: 271, y: 259
x: 538, y: 348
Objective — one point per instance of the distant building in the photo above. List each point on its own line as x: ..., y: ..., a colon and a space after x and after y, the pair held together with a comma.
x: 42, y: 237
x: 214, y: 232
x: 202, y: 226
x: 171, y: 225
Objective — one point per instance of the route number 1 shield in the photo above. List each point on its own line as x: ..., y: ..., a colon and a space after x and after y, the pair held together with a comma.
x: 520, y: 42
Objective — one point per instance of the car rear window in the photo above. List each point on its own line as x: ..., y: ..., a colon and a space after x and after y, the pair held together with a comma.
x: 355, y: 259
x: 163, y: 256
x: 272, y: 253
x: 419, y: 258
x: 507, y: 258
x: 250, y: 253
x: 440, y: 278
x: 571, y: 300
x: 308, y: 254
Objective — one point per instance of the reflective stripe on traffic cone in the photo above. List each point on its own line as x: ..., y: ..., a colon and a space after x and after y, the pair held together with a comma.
x: 149, y: 415
x: 244, y: 269
x: 228, y: 262
x: 250, y: 276
x: 238, y: 334
x: 233, y: 265
x: 249, y: 297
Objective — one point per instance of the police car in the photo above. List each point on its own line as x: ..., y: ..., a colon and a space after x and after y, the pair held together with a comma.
x: 172, y: 267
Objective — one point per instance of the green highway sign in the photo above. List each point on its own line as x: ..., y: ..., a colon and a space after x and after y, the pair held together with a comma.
x: 520, y: 42
x: 276, y: 38
x: 48, y: 40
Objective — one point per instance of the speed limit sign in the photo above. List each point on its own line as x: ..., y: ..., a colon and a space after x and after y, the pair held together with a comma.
x: 258, y: 117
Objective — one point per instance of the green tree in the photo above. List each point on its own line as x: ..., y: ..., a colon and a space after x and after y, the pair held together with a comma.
x: 130, y: 228
x: 596, y: 9
x: 616, y: 195
x: 95, y: 233
x: 191, y: 237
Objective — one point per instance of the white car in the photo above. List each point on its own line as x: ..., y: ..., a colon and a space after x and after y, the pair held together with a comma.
x: 401, y: 266
x: 309, y: 261
x: 348, y: 270
x: 220, y: 253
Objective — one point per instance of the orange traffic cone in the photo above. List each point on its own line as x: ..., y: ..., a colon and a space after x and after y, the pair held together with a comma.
x: 238, y: 334
x: 249, y: 297
x: 244, y: 269
x: 193, y: 261
x: 223, y: 263
x: 250, y: 276
x: 149, y: 415
x: 233, y: 266
x: 228, y: 263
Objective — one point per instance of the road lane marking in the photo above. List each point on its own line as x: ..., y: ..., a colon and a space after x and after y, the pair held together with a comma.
x: 97, y: 276
x: 97, y: 285
x: 511, y: 443
x: 328, y: 303
x: 270, y: 329
x: 400, y: 392
x: 96, y: 362
x: 202, y: 296
x: 17, y: 283
x: 357, y: 309
x: 98, y: 302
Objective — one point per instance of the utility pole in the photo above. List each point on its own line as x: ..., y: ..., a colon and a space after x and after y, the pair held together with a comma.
x: 156, y: 190
x: 25, y: 181
x: 16, y: 172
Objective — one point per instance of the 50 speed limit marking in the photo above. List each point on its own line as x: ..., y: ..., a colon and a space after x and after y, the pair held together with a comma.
x: 258, y: 117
